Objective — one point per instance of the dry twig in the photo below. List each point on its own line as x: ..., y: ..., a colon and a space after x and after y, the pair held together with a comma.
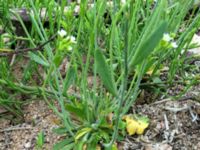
x: 14, y: 128
x: 19, y: 51
x: 166, y: 122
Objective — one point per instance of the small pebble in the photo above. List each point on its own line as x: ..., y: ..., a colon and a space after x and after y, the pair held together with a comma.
x: 27, y: 145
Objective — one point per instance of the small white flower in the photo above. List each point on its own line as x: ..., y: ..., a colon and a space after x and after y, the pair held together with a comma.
x: 123, y: 1
x: 62, y: 33
x: 69, y: 48
x: 167, y: 37
x: 174, y: 45
x: 72, y: 39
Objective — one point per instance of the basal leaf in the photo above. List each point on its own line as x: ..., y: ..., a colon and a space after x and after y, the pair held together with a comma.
x: 66, y: 143
x: 82, y: 132
x: 79, y: 112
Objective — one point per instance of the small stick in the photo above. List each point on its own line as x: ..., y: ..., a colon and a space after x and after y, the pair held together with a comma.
x: 7, y: 140
x: 175, y: 110
x: 170, y: 99
x: 13, y: 60
x: 166, y: 122
x: 193, y: 115
x: 161, y: 101
x: 176, y: 121
x: 15, y: 128
x: 19, y: 51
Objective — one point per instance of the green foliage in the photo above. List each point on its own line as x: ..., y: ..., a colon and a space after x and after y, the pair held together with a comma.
x: 115, y: 44
x: 38, y: 59
x: 105, y: 72
x: 149, y: 45
x: 40, y: 140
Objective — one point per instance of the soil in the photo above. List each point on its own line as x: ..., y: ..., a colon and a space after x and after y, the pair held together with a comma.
x: 173, y: 125
x: 37, y: 118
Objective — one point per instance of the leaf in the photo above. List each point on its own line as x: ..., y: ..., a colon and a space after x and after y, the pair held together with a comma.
x: 66, y: 143
x: 38, y: 59
x: 79, y: 112
x: 81, y: 144
x: 70, y: 77
x: 58, y: 59
x: 105, y: 72
x: 60, y: 130
x: 82, y: 132
x: 40, y: 139
x: 68, y: 147
x: 114, y: 146
x: 148, y: 46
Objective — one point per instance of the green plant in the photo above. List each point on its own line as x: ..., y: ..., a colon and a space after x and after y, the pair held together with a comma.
x: 132, y: 55
x: 116, y: 51
x: 40, y: 140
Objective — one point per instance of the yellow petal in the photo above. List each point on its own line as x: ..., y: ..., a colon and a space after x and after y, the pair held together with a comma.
x: 135, y: 126
x: 140, y: 131
x: 132, y: 126
x: 141, y: 128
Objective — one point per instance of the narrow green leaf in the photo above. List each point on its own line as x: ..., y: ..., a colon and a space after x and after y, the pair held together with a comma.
x: 148, y: 46
x: 38, y: 59
x: 77, y: 111
x: 105, y: 73
x: 70, y: 77
x: 40, y: 139
x: 66, y: 143
x: 59, y: 131
x: 69, y: 147
x: 58, y: 59
x: 82, y: 132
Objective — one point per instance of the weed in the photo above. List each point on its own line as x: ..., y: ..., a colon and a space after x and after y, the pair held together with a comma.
x: 117, y: 55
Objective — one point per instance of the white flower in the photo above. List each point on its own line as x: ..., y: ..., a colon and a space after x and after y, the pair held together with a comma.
x: 123, y: 1
x: 167, y: 37
x: 69, y: 48
x: 174, y: 44
x: 62, y: 33
x: 72, y: 39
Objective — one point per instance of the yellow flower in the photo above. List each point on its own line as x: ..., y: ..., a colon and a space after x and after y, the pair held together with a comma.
x: 142, y: 127
x: 135, y: 126
x: 131, y: 126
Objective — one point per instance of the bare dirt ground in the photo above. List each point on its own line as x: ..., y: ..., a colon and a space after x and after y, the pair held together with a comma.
x: 175, y: 125
x: 37, y: 118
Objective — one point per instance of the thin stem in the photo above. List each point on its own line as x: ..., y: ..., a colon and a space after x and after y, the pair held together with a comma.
x: 124, y: 87
x: 19, y: 51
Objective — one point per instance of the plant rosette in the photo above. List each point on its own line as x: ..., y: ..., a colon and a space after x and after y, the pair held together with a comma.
x: 136, y: 124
